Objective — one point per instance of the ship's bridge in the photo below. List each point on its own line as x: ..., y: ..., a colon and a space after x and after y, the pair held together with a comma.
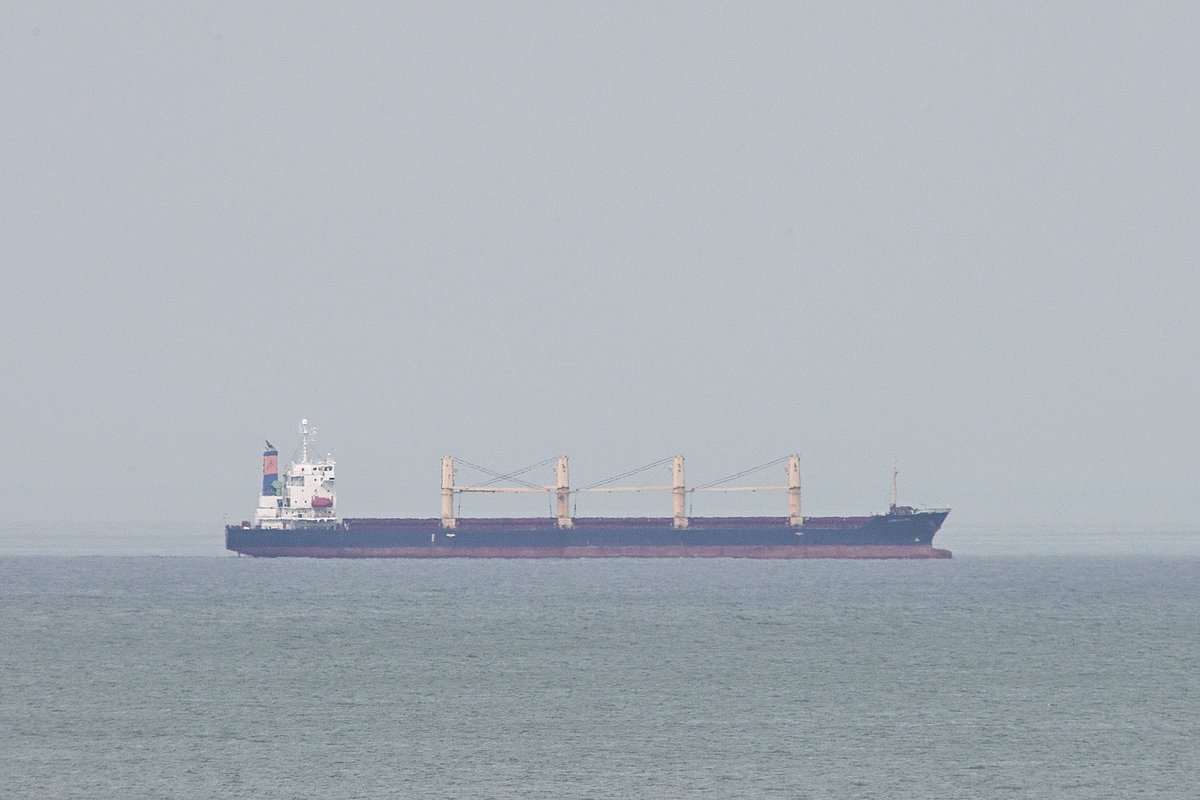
x: 307, y: 493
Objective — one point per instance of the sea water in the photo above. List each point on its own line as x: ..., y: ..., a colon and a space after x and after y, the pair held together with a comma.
x: 1064, y: 676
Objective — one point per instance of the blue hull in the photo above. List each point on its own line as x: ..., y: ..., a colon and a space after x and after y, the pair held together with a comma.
x: 904, y: 535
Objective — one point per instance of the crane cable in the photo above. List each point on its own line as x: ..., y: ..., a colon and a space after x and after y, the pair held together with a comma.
x: 628, y: 474
x: 741, y: 474
x: 606, y: 481
x: 497, y: 476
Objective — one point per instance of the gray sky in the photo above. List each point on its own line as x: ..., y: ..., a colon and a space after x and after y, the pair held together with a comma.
x: 964, y: 236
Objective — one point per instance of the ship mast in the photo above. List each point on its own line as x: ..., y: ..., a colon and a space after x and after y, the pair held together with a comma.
x: 307, y: 434
x: 895, y: 473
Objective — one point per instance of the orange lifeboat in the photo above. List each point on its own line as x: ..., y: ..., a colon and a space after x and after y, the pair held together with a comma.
x: 322, y: 502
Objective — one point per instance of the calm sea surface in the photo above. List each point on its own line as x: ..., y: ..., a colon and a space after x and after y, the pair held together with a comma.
x: 1041, y: 676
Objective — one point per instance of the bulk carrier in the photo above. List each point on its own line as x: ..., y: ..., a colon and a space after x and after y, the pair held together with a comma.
x: 297, y: 516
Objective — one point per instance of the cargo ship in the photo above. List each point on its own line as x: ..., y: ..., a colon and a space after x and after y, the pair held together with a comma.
x: 297, y: 516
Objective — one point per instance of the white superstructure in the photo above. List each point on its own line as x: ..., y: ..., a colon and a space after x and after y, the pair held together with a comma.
x: 306, y: 493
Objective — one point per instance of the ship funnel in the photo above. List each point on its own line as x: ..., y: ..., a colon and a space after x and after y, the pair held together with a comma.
x: 270, y: 471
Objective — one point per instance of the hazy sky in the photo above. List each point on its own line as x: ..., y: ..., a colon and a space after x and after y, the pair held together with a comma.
x: 966, y: 236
